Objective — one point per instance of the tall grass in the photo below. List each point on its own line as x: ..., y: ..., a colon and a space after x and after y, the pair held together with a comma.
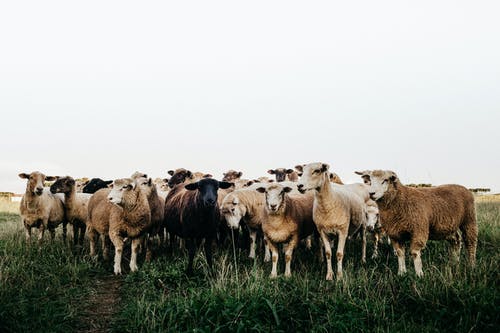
x: 44, y: 288
x: 372, y: 298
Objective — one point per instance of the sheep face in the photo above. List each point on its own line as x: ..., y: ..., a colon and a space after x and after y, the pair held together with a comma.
x: 313, y: 176
x: 137, y: 175
x: 372, y: 218
x: 35, y: 181
x: 120, y: 189
x: 95, y: 184
x: 80, y: 184
x: 280, y: 173
x: 179, y: 176
x: 63, y: 185
x: 207, y: 188
x: 233, y: 211
x: 381, y: 182
x: 275, y: 197
x: 146, y: 185
x: 232, y: 176
x: 365, y: 175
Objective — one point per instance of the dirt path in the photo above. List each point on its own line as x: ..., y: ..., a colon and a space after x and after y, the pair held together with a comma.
x: 101, y: 305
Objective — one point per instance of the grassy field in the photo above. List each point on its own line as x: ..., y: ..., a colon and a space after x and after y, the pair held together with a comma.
x: 53, y: 288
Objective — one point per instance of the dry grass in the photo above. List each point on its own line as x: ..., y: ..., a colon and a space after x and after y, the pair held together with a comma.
x: 6, y: 206
x: 488, y: 198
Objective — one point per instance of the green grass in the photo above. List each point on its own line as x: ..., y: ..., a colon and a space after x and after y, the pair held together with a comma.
x: 48, y: 290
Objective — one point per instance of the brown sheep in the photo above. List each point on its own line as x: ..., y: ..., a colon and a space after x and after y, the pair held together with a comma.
x: 130, y: 220
x: 283, y: 174
x: 179, y: 176
x: 420, y: 214
x: 287, y: 219
x: 231, y: 176
x: 75, y: 206
x: 39, y: 208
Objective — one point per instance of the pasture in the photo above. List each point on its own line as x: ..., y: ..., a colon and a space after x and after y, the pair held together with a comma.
x: 53, y: 288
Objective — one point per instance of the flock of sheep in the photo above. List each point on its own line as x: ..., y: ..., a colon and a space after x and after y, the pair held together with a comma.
x: 307, y: 204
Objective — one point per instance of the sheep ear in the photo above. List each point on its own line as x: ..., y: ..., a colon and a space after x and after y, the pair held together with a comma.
x: 271, y: 172
x: 107, y: 182
x: 50, y: 178
x: 299, y: 168
x: 261, y: 189
x: 240, y: 174
x: 150, y: 181
x: 189, y: 174
x: 393, y: 177
x: 24, y: 175
x: 250, y: 182
x: 192, y: 186
x: 359, y: 172
x: 207, y: 175
x: 324, y: 167
x: 131, y: 186
x: 289, y: 170
x: 287, y: 189
x: 225, y: 185
x: 165, y: 180
x: 171, y: 172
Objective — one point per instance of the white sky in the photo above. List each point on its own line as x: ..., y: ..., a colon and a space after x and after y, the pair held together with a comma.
x: 105, y: 88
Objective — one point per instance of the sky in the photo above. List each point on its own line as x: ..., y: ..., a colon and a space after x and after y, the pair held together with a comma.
x: 105, y: 88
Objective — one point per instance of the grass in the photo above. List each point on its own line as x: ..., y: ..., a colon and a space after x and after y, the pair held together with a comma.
x: 46, y: 293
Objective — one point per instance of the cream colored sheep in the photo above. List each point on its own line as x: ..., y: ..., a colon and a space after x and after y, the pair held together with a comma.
x: 39, y: 208
x: 131, y: 219
x: 287, y: 219
x: 335, y: 210
x: 419, y: 214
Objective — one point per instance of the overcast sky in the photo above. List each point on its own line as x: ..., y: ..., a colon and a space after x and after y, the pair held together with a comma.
x: 105, y: 88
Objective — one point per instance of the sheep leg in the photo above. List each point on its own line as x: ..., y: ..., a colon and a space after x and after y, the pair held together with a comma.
x: 415, y: 251
x: 309, y: 242
x: 328, y: 255
x: 133, y: 257
x: 105, y: 247
x: 41, y: 231
x: 92, y: 234
x: 28, y: 232
x: 65, y: 231
x: 52, y: 233
x: 253, y: 243
x: 149, y: 245
x: 208, y: 253
x: 267, y: 250
x: 82, y: 235
x: 76, y: 231
x: 363, y: 250
x: 469, y: 235
x: 340, y: 253
x: 376, y: 237
x: 455, y: 244
x: 191, y: 252
x: 400, y: 252
x: 275, y: 256
x: 118, y: 243
x: 288, y: 256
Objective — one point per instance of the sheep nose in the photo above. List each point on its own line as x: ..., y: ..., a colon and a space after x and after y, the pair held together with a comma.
x: 210, y: 201
x: 273, y: 206
x: 372, y: 193
x: 300, y: 186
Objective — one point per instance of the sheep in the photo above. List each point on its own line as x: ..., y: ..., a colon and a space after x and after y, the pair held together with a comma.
x: 287, y: 219
x: 282, y: 174
x: 421, y: 214
x: 39, y: 208
x: 75, y: 206
x: 263, y: 180
x: 80, y: 184
x: 95, y: 184
x: 191, y: 212
x: 179, y: 176
x: 334, y: 178
x: 118, y: 213
x: 335, y: 210
x: 245, y: 205
x: 231, y: 176
x: 99, y: 210
x: 156, y: 206
x: 162, y: 187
